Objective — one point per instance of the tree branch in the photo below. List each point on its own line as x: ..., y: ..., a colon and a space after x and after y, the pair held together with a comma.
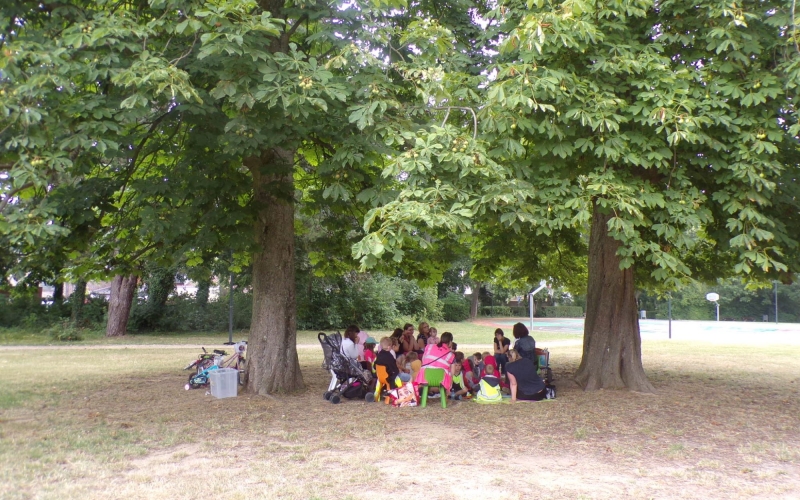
x: 297, y: 24
x: 175, y: 62
x: 141, y: 252
x: 474, y: 117
x: 138, y: 149
x: 12, y: 193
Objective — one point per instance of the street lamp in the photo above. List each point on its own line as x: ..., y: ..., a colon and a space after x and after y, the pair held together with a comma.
x: 776, y: 302
x: 714, y: 297
x: 542, y: 286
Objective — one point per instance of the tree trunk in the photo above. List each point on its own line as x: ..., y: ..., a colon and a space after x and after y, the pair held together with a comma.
x: 203, y: 291
x: 474, y: 300
x: 612, y: 346
x: 123, y: 288
x: 272, y: 364
x: 160, y: 283
x: 76, y: 300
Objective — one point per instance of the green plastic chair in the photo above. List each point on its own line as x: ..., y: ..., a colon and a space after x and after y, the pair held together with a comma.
x: 433, y: 378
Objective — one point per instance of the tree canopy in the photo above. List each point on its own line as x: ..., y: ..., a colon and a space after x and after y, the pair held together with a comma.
x: 660, y: 136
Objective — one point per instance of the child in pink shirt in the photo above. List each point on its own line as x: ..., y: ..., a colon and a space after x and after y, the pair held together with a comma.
x: 369, y: 351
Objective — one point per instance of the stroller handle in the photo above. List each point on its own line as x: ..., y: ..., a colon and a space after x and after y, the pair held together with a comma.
x: 321, y: 336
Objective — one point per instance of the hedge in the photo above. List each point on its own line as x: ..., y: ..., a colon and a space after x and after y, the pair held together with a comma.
x: 455, y: 307
x: 497, y: 311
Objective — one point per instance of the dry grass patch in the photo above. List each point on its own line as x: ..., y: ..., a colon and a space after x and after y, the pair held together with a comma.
x: 118, y: 424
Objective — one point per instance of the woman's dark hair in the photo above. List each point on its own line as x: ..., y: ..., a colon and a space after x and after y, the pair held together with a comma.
x: 500, y: 331
x: 407, y: 326
x: 520, y: 331
x: 446, y: 338
x: 350, y: 330
x: 398, y: 332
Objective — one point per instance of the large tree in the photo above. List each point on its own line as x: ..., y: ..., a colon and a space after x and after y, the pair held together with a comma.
x: 125, y: 94
x: 667, y: 128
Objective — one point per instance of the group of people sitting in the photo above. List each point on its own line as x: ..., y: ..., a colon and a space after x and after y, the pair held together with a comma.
x: 484, y: 376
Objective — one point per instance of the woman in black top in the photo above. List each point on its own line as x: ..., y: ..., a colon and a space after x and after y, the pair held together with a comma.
x: 501, y: 346
x: 407, y: 341
x: 523, y: 379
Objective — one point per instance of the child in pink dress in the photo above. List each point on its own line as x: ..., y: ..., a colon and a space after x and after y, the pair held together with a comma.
x: 433, y: 338
x: 369, y: 350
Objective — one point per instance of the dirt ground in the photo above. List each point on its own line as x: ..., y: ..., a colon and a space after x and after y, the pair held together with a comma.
x: 704, y: 434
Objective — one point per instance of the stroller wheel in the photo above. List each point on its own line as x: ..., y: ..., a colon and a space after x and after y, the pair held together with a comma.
x: 327, y: 395
x: 370, y: 397
x: 335, y: 399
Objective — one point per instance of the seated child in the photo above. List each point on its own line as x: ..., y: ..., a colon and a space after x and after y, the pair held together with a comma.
x: 459, y: 389
x: 433, y: 338
x: 488, y: 360
x: 473, y: 370
x: 477, y: 364
x: 403, y: 368
x: 489, y: 391
x: 470, y: 382
x: 361, y: 339
x: 386, y: 359
x: 415, y: 364
x: 369, y: 352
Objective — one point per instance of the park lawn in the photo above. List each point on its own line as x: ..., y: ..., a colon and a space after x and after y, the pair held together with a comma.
x: 465, y: 333
x: 117, y: 423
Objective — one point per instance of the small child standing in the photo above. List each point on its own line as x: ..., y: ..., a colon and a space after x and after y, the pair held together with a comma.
x: 414, y: 363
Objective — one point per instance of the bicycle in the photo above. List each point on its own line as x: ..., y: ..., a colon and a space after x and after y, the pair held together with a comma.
x: 209, y: 361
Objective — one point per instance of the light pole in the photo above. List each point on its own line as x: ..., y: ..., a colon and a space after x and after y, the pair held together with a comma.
x: 776, y: 301
x: 230, y: 312
x: 542, y: 286
x: 714, y: 297
x: 669, y: 313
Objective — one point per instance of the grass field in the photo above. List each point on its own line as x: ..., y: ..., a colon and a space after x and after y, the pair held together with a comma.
x: 116, y: 422
x: 464, y: 333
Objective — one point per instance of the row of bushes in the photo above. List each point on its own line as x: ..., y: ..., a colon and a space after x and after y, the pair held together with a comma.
x: 541, y: 311
x: 27, y: 311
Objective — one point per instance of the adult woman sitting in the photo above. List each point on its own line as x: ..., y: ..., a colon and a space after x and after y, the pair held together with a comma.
x: 524, y: 382
x: 438, y: 356
x: 422, y: 338
x: 407, y: 341
x: 525, y: 345
x: 501, y: 346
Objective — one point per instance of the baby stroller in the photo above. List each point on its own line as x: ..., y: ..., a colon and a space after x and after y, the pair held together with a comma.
x: 543, y: 365
x: 348, y: 378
